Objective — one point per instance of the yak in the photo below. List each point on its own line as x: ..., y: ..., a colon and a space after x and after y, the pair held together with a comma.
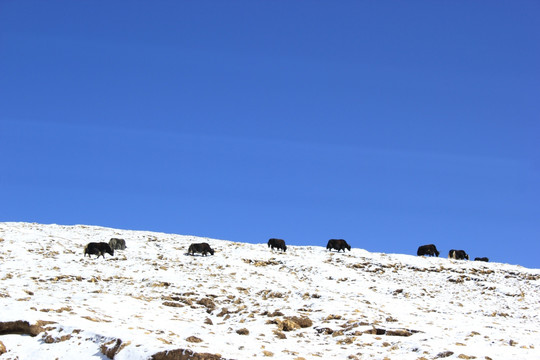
x: 117, y: 244
x: 338, y: 244
x: 277, y: 244
x: 202, y: 248
x: 429, y: 250
x: 481, y: 259
x: 458, y: 255
x: 98, y: 249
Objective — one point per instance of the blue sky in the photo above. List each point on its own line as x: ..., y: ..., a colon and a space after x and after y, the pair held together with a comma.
x: 390, y: 124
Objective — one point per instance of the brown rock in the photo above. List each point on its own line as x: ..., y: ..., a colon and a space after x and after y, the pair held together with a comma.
x: 50, y: 340
x: 287, y: 325
x: 2, y: 348
x: 172, y: 304
x: 224, y: 311
x: 111, y: 348
x: 185, y: 354
x: 375, y: 331
x: 23, y: 327
x: 208, y: 303
x: 302, y: 322
x: 243, y: 331
x: 398, y: 333
x: 334, y: 317
x: 324, y: 331
x: 346, y: 341
x: 444, y: 354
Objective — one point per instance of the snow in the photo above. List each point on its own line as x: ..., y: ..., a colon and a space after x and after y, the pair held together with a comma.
x: 154, y: 297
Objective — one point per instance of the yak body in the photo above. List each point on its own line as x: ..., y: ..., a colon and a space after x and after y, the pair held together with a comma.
x: 277, y: 244
x: 338, y: 244
x: 458, y: 255
x: 98, y: 249
x: 202, y: 248
x: 485, y: 259
x: 117, y: 244
x: 429, y: 250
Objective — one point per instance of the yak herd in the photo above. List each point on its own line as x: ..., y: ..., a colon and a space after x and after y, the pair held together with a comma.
x: 102, y: 248
x: 431, y: 250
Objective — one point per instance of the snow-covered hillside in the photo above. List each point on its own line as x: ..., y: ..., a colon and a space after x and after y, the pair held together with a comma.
x: 248, y: 302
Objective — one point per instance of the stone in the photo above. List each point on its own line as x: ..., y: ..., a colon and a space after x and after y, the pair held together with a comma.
x: 111, y: 348
x: 184, y: 354
x: 243, y: 331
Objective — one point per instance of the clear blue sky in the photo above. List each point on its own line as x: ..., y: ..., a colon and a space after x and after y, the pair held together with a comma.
x: 390, y: 124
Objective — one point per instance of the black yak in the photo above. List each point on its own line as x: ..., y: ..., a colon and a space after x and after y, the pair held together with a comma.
x: 277, y: 244
x: 98, y: 249
x: 458, y: 255
x: 338, y: 244
x: 202, y: 248
x: 429, y: 250
x: 485, y: 259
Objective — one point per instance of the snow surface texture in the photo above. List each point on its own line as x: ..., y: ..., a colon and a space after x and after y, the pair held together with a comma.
x: 248, y: 301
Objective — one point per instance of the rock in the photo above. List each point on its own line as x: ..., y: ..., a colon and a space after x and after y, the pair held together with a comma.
x: 398, y: 333
x: 444, y: 354
x: 243, y: 331
x: 334, y: 317
x: 268, y: 353
x: 274, y: 314
x: 279, y: 334
x: 303, y: 322
x: 113, y: 347
x: 223, y: 312
x: 208, y: 303
x: 2, y: 348
x: 194, y: 339
x: 172, y: 304
x: 287, y: 325
x: 375, y: 331
x: 347, y: 341
x: 23, y: 327
x: 185, y: 354
x: 48, y: 339
x: 325, y: 331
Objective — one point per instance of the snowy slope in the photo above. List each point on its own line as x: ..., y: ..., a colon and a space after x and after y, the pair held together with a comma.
x: 249, y: 302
